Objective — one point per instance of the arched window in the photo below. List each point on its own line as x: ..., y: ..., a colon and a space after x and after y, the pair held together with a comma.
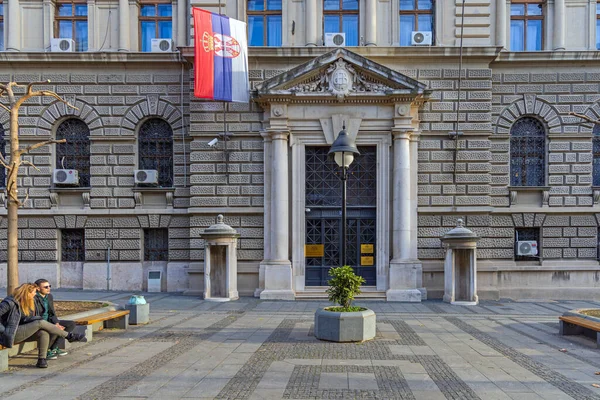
x: 3, y: 152
x: 156, y: 149
x: 527, y: 153
x: 75, y: 153
x: 596, y: 150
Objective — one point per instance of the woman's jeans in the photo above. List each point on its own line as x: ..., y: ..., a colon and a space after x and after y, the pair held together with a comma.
x: 39, y: 331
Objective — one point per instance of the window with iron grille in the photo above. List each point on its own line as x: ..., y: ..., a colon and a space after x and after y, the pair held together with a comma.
x: 156, y: 245
x: 3, y: 152
x: 75, y: 152
x: 71, y: 21
x: 524, y: 235
x: 264, y: 22
x: 596, y: 160
x: 1, y: 26
x: 73, y: 245
x: 415, y: 15
x: 342, y: 16
x: 156, y: 22
x: 156, y: 149
x: 526, y: 25
x: 527, y: 153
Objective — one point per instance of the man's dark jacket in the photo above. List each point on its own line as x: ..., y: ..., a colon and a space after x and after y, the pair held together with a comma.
x: 39, y: 308
x: 10, y: 315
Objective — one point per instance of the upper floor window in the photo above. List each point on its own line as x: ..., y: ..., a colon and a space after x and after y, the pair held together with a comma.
x: 264, y: 22
x: 598, y: 25
x: 156, y: 22
x: 72, y: 245
x: 71, y: 20
x: 341, y: 16
x: 415, y: 15
x: 1, y: 26
x: 527, y: 153
x: 596, y: 156
x: 526, y: 25
x: 156, y: 149
x: 75, y: 153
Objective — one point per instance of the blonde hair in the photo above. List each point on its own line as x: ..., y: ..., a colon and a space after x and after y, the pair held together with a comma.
x: 21, y: 296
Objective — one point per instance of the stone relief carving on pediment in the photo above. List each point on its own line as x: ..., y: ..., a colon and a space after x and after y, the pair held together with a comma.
x: 340, y: 79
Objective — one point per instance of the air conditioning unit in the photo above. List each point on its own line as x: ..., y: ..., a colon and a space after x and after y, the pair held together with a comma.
x: 337, y: 39
x: 162, y: 45
x: 527, y: 248
x: 421, y: 38
x: 65, y: 177
x: 146, y: 176
x: 62, y: 45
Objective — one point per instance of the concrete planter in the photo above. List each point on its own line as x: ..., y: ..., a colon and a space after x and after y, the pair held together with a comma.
x: 345, y: 326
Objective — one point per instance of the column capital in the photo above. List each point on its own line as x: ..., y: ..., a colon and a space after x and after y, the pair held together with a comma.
x: 415, y: 136
x: 266, y: 135
x: 401, y: 133
x: 279, y: 134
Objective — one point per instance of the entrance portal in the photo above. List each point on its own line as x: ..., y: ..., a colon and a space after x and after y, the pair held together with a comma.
x: 323, y: 215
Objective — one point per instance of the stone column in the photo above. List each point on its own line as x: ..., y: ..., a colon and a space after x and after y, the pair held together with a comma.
x: 371, y: 23
x: 124, y: 41
x: 403, y: 273
x: 48, y: 15
x: 13, y: 40
x: 182, y: 12
x: 92, y: 24
x: 559, y: 24
x: 311, y: 23
x: 267, y: 162
x: 501, y: 23
x: 278, y: 270
x: 414, y: 217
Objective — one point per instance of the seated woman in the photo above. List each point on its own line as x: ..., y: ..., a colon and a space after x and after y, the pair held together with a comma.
x: 18, y: 323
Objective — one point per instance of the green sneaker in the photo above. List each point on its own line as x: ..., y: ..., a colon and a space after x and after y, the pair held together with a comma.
x: 60, y: 352
x: 51, y: 355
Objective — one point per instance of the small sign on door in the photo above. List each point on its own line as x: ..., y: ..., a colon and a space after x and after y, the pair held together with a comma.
x: 366, y: 249
x: 366, y: 261
x: 314, y: 250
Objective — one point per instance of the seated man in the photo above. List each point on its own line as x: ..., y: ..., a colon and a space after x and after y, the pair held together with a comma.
x: 44, y: 307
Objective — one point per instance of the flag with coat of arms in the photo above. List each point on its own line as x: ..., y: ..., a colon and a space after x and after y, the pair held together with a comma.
x: 220, y: 58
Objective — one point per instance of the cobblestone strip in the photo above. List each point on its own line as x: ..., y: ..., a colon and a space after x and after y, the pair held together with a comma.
x: 435, y: 308
x: 446, y: 380
x: 54, y: 374
x: 185, y: 340
x: 305, y: 379
x: 407, y: 335
x: 586, y: 360
x: 557, y: 380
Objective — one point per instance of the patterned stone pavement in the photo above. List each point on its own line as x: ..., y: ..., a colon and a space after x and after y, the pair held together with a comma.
x: 252, y: 349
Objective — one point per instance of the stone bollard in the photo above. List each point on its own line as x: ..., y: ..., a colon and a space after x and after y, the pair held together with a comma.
x: 139, y: 310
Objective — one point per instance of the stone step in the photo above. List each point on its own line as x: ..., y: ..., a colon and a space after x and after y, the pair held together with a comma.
x: 319, y: 293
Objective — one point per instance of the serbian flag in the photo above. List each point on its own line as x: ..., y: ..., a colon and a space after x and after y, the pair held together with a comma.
x: 220, y: 57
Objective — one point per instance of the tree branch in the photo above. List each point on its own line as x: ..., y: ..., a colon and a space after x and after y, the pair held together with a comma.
x: 4, y: 163
x: 3, y: 106
x: 30, y: 164
x: 585, y: 117
x: 38, y: 145
x: 30, y: 89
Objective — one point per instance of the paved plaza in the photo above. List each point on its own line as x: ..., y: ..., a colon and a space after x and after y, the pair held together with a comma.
x: 252, y: 349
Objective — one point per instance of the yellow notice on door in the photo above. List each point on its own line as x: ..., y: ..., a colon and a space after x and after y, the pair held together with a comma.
x: 366, y: 249
x: 366, y: 261
x: 314, y: 250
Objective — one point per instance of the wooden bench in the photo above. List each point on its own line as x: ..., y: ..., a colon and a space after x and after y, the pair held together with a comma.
x: 118, y: 319
x: 571, y: 325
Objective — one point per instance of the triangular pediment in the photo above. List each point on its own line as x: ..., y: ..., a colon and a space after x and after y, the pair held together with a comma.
x: 341, y: 74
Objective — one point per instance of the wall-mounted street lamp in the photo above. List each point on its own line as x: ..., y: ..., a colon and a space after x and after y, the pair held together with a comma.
x: 343, y: 150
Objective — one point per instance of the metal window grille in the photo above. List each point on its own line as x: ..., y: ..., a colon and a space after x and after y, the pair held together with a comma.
x: 156, y: 149
x: 156, y: 244
x: 527, y: 234
x: 528, y: 153
x: 596, y: 160
x: 3, y: 152
x: 73, y: 245
x: 75, y: 153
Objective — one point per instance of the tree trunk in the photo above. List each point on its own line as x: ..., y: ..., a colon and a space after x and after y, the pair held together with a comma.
x: 12, y: 269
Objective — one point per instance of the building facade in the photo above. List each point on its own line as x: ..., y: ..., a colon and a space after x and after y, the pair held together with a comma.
x: 499, y: 145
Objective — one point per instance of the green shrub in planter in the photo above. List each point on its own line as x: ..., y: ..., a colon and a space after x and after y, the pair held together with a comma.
x: 344, y: 285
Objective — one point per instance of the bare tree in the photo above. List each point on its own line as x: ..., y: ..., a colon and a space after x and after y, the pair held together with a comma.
x: 586, y: 118
x: 12, y: 166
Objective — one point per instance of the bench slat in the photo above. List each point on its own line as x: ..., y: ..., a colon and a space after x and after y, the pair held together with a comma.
x: 585, y: 323
x: 105, y: 316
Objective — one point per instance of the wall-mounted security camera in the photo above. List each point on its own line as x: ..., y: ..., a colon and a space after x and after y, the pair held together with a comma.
x: 213, y: 142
